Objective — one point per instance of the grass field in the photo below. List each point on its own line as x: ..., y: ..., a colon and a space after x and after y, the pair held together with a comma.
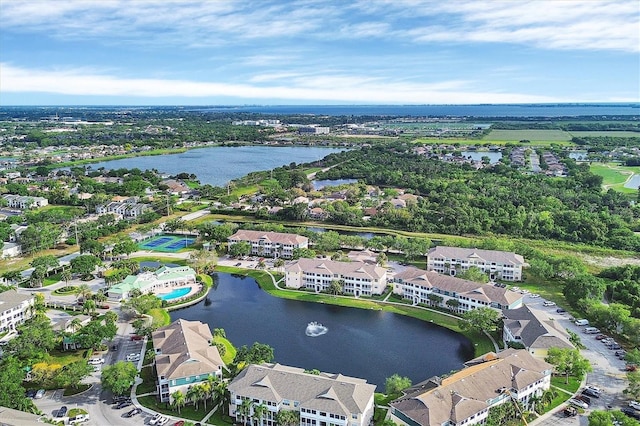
x: 490, y: 142
x: 614, y: 133
x: 614, y: 176
x: 529, y: 134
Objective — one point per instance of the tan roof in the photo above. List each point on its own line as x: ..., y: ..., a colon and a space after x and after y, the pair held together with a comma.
x: 185, y: 350
x: 273, y: 237
x: 535, y: 328
x: 10, y: 299
x: 470, y: 390
x: 333, y: 393
x: 500, y: 257
x: 332, y: 267
x: 471, y: 289
x: 11, y: 417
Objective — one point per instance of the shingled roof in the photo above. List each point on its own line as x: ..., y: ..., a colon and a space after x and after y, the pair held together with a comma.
x: 273, y: 237
x: 332, y: 267
x: 488, y: 256
x: 535, y: 328
x: 185, y: 350
x: 471, y: 289
x: 332, y: 393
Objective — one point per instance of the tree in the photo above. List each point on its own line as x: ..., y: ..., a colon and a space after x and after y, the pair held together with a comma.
x: 178, y: 400
x: 473, y: 274
x: 84, y: 265
x: 288, y: 418
x: 83, y: 291
x: 93, y: 247
x: 142, y: 304
x: 35, y: 339
x: 303, y: 253
x: 202, y: 260
x: 336, y: 287
x: 568, y: 362
x: 256, y: 354
x: 12, y: 276
x: 583, y: 286
x: 244, y: 410
x: 259, y: 411
x: 575, y: 340
x: 12, y: 395
x: 241, y: 248
x: 479, y: 320
x: 606, y: 418
x: 434, y: 299
x: 452, y: 304
x: 66, y: 275
x: 48, y: 261
x: 89, y: 306
x: 71, y: 374
x: 633, y: 390
x: 119, y: 377
x: 125, y: 246
x: 395, y: 384
x: 382, y: 259
x: 38, y: 275
x: 39, y: 236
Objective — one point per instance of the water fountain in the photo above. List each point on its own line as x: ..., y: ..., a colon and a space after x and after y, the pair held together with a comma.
x: 315, y: 329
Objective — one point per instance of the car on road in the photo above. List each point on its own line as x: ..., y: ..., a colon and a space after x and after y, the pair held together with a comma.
x: 549, y: 303
x: 79, y: 419
x: 601, y: 337
x: 39, y: 394
x: 133, y: 357
x: 635, y: 405
x: 631, y: 412
x: 179, y: 423
x: 239, y: 264
x: 61, y: 411
x: 578, y: 403
x: 96, y: 361
x: 561, y: 311
x: 132, y: 413
x: 123, y: 404
x: 114, y: 348
x: 534, y: 296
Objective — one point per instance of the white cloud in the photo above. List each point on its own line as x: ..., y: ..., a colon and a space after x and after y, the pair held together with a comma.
x: 320, y: 88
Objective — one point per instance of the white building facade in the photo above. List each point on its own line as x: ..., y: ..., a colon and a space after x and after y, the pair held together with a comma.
x: 498, y: 265
x: 270, y: 244
x: 14, y: 309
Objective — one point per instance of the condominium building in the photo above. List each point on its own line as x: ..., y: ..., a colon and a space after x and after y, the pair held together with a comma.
x: 357, y: 278
x: 431, y: 288
x: 184, y: 356
x: 465, y: 397
x: 533, y: 329
x: 270, y: 244
x: 15, y: 309
x: 321, y: 399
x: 498, y: 265
x: 25, y: 202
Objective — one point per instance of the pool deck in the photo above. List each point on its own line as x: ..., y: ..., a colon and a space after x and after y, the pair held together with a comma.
x: 194, y: 289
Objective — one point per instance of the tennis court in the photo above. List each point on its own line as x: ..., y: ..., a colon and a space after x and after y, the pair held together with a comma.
x: 167, y: 243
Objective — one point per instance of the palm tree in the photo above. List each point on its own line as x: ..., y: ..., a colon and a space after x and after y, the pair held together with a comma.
x: 259, y: 411
x: 12, y: 276
x: 66, y: 275
x: 336, y: 287
x: 178, y: 400
x: 205, y: 387
x: 244, y: 410
x: 288, y: 418
x: 220, y: 394
x: 75, y: 324
x: 193, y: 395
x: 83, y: 292
x: 89, y: 307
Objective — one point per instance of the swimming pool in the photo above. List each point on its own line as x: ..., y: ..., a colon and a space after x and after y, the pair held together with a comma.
x: 175, y: 294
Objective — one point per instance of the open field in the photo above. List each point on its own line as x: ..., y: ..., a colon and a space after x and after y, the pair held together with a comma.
x: 615, y: 176
x: 487, y: 141
x: 614, y: 133
x: 528, y: 134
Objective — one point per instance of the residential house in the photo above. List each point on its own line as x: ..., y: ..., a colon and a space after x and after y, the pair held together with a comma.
x: 25, y: 202
x: 431, y: 288
x: 534, y: 330
x: 270, y: 244
x: 317, y: 213
x: 10, y: 250
x: 164, y: 278
x: 499, y: 265
x: 184, y: 356
x: 15, y: 309
x: 358, y: 278
x: 125, y: 207
x: 175, y: 187
x: 465, y: 397
x: 321, y: 399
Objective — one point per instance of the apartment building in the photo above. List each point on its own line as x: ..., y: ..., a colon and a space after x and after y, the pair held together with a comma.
x: 357, y: 278
x: 321, y: 399
x: 465, y: 397
x: 184, y: 357
x: 431, y: 288
x: 15, y: 309
x: 270, y: 244
x: 24, y: 202
x: 498, y: 265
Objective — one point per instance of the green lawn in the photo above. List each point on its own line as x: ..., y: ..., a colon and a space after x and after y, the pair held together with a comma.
x: 160, y: 316
x: 186, y: 412
x: 572, y: 386
x: 614, y: 176
x: 56, y: 356
x: 149, y: 381
x: 533, y: 135
x: 612, y: 133
x: 230, y: 352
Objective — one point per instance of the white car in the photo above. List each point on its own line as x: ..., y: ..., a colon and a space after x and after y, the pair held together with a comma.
x: 133, y: 357
x: 96, y: 361
x: 154, y: 420
x: 578, y: 403
x: 162, y: 420
x: 534, y: 296
x: 549, y: 303
x: 635, y: 405
x: 594, y: 388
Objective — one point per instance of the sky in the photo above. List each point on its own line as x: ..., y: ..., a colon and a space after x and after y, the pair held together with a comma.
x: 280, y: 52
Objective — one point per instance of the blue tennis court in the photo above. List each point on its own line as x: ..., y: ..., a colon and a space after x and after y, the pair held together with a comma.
x: 167, y: 243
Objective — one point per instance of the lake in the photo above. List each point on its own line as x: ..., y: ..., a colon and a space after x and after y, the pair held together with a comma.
x: 362, y: 343
x: 633, y: 183
x: 320, y: 184
x: 218, y: 165
x: 494, y: 156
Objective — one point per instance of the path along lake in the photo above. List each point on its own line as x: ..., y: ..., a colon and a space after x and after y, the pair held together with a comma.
x: 369, y: 344
x: 218, y: 165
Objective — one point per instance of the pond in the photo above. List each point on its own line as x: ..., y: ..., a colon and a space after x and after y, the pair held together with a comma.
x: 633, y: 183
x: 494, y: 156
x: 369, y: 344
x: 319, y: 184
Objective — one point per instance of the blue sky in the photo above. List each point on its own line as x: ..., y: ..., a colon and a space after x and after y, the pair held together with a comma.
x: 169, y: 52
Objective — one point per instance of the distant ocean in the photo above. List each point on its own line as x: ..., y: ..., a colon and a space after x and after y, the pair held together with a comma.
x: 515, y: 110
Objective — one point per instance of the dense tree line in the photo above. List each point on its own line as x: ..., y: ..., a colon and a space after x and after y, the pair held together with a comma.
x: 458, y: 200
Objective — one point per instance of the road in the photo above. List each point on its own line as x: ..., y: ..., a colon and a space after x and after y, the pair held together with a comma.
x: 608, y: 374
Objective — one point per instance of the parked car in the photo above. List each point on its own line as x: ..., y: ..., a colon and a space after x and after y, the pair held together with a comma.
x: 631, y: 412
x: 123, y: 404
x: 630, y: 367
x: 581, y: 322
x: 61, y: 411
x: 614, y: 346
x: 601, y: 337
x: 591, y: 392
x: 154, y: 420
x: 162, y: 421
x: 120, y: 398
x: 40, y: 394
x: 96, y: 361
x: 620, y: 353
x: 137, y: 337
x: 30, y: 393
x: 594, y: 388
x: 549, y: 303
x: 114, y: 347
x: 584, y: 398
x: 570, y: 411
x: 179, y: 423
x: 578, y: 403
x: 561, y: 311
x: 79, y: 419
x: 635, y: 405
x: 133, y: 357
x: 133, y: 412
x: 239, y: 264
